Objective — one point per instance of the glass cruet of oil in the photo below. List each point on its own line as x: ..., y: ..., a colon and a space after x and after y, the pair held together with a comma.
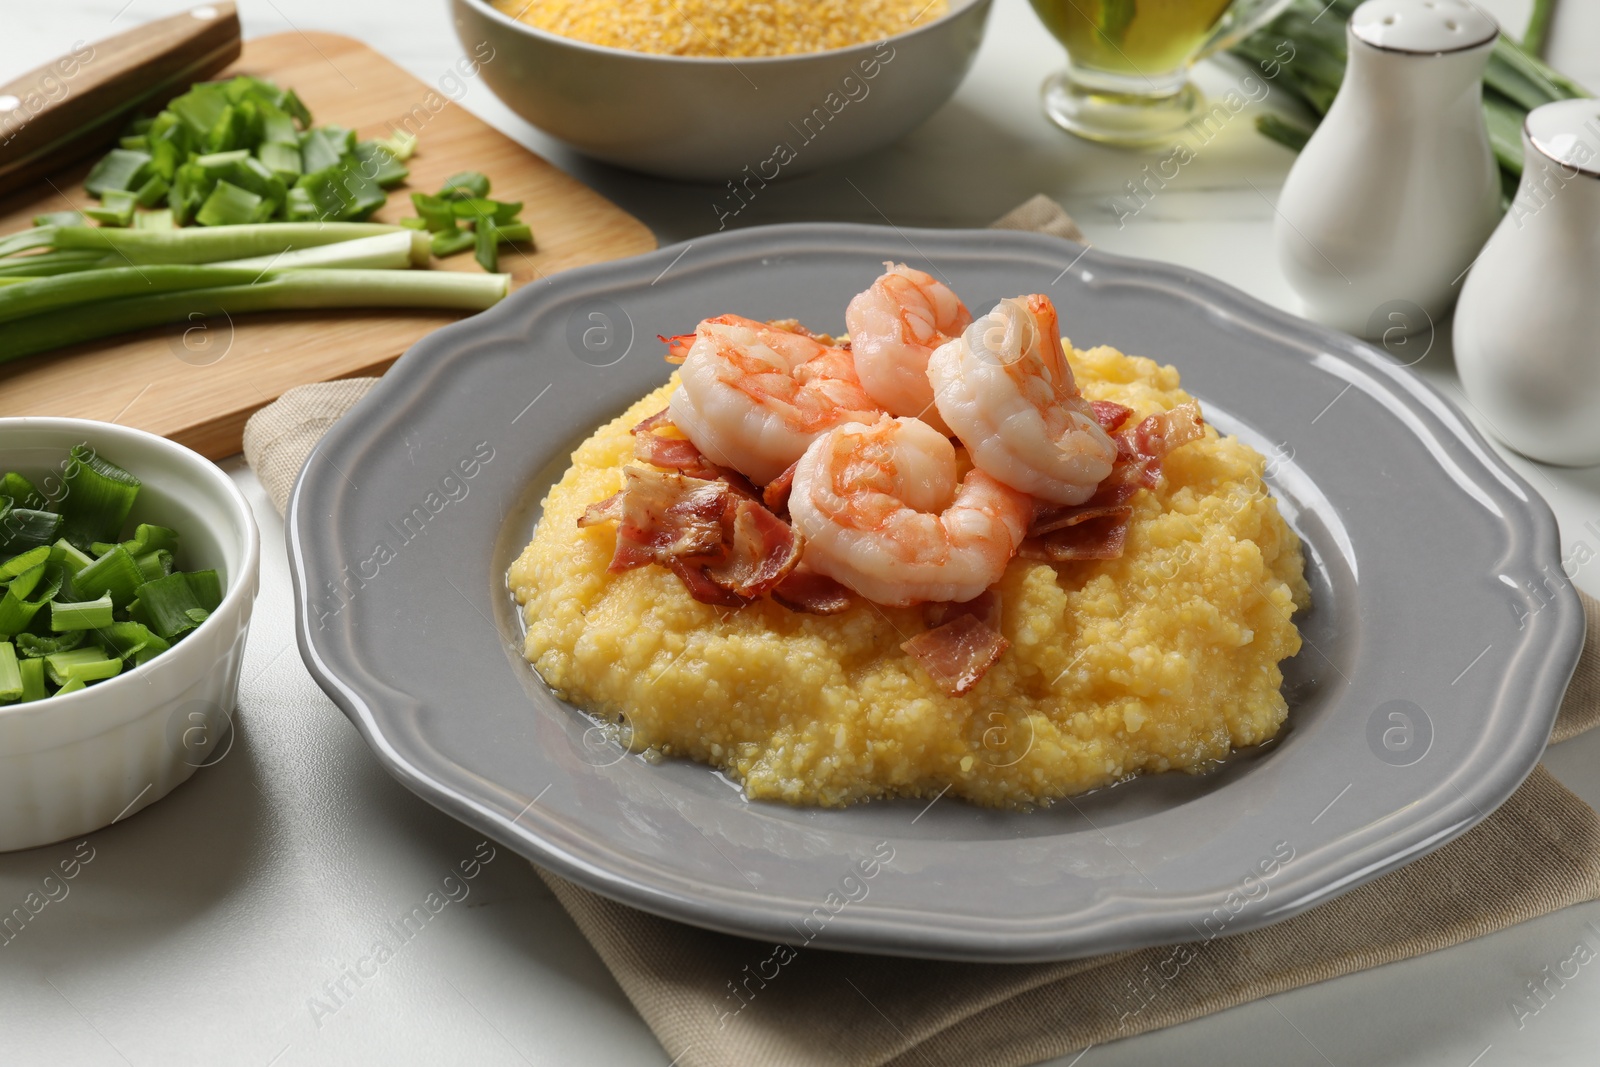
x: 1128, y: 61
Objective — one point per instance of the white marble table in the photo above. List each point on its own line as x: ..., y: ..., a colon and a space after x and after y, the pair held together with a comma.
x: 229, y: 923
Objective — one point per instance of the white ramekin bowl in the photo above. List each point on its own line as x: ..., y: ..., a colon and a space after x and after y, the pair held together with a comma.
x: 72, y: 764
x: 748, y: 121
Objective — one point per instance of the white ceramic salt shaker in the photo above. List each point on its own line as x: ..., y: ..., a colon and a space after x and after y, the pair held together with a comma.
x: 1398, y: 189
x: 1527, y: 331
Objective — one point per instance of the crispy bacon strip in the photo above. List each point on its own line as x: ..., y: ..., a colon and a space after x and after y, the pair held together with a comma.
x: 958, y: 653
x: 1109, y: 414
x: 984, y: 607
x: 1111, y: 499
x: 760, y: 551
x: 673, y: 453
x: 654, y: 422
x: 1098, y: 538
x: 702, y: 588
x: 680, y: 454
x: 664, y: 516
x: 1098, y: 528
x: 726, y: 547
x: 607, y: 510
x: 1161, y: 433
x: 811, y: 593
x: 1141, y: 448
x: 677, y: 346
x: 776, y: 493
x: 1070, y: 517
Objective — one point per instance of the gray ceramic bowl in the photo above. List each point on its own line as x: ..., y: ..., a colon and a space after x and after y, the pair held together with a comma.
x: 710, y: 118
x: 1423, y: 696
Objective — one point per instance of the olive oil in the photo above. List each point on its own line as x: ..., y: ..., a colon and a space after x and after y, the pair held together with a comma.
x: 1131, y: 37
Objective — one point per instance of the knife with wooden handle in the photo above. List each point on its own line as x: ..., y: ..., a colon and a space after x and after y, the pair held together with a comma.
x: 79, y: 103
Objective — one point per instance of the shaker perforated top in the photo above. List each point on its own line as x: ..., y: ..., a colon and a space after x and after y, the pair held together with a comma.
x: 1568, y: 131
x: 1426, y: 27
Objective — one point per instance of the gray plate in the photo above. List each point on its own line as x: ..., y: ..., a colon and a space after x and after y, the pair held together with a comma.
x: 1431, y: 673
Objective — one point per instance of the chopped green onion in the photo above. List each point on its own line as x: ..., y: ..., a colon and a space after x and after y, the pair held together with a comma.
x: 165, y: 154
x: 81, y: 665
x: 153, y: 565
x: 120, y: 171
x: 277, y: 125
x: 228, y: 205
x: 25, y: 528
x: 401, y: 143
x: 435, y: 212
x: 116, y: 208
x: 131, y: 640
x: 11, y: 687
x: 207, y: 588
x: 167, y: 603
x: 81, y: 615
x: 16, y: 614
x: 319, y: 150
x: 24, y: 562
x: 283, y: 159
x: 32, y: 673
x: 513, y: 233
x: 116, y: 574
x: 59, y: 218
x: 37, y: 647
x: 147, y: 537
x: 465, y: 185
x: 21, y: 490
x: 69, y: 556
x: 450, y: 242
x: 27, y: 581
x: 152, y: 192
x: 155, y: 220
x: 222, y: 162
x: 99, y: 497
x: 70, y: 687
x: 341, y: 192
x: 252, y: 174
x: 201, y: 108
x: 486, y: 246
x: 492, y: 210
x: 379, y: 163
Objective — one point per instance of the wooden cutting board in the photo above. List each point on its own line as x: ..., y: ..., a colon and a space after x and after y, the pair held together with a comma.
x: 197, y: 383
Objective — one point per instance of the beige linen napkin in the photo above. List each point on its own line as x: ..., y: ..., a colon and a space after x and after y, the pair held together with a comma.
x: 720, y: 1001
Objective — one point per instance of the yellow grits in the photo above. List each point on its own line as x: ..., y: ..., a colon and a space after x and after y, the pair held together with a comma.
x: 1164, y: 659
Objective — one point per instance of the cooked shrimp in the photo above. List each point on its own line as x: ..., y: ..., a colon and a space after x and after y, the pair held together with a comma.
x: 881, y: 512
x: 1005, y: 389
x: 752, y: 396
x: 895, y: 325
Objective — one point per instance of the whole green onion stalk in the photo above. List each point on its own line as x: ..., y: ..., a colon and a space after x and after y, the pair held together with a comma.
x: 1515, y: 81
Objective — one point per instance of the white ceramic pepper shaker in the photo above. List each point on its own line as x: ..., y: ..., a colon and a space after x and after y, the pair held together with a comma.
x: 1398, y: 189
x: 1527, y: 331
